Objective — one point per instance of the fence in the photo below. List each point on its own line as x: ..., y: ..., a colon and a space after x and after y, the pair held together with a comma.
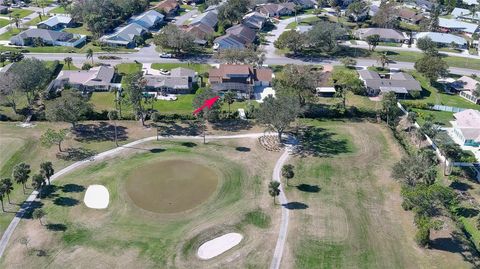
x: 447, y: 108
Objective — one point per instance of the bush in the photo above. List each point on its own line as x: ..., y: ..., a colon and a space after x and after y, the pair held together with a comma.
x: 415, y: 94
x: 422, y: 237
x: 86, y: 66
x: 155, y: 117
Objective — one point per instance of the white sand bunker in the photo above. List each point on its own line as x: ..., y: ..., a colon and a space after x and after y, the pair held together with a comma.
x: 218, y: 245
x: 96, y: 197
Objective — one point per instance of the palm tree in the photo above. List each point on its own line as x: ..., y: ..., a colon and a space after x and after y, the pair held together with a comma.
x: 2, y: 195
x: 37, y: 182
x: 287, y: 172
x: 229, y: 98
x: 411, y: 118
x: 46, y: 169
x: 3, y: 59
x: 273, y: 189
x: 7, y: 186
x: 38, y: 213
x: 90, y: 54
x: 68, y: 61
x: 113, y: 116
x: 16, y: 20
x: 383, y: 59
x: 118, y: 100
x: 20, y: 174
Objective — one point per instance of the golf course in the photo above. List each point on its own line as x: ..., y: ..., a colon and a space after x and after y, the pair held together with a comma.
x: 166, y: 199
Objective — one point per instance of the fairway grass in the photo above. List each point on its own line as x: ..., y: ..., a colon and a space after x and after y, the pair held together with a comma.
x: 348, y: 212
x: 126, y: 236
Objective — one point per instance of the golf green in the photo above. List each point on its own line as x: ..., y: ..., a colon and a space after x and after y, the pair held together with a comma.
x: 171, y: 186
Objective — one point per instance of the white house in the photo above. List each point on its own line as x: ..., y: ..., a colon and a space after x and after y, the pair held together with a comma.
x: 466, y: 127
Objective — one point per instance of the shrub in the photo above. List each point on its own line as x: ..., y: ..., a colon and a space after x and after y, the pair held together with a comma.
x: 155, y: 117
x: 86, y: 66
x: 422, y: 237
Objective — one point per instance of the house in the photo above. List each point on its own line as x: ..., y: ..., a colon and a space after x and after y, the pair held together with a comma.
x: 470, y: 2
x: 30, y: 37
x: 304, y: 4
x: 228, y: 41
x: 180, y: 81
x: 276, y: 10
x: 254, y: 20
x: 465, y: 14
x: 170, y: 7
x: 386, y: 35
x: 400, y: 83
x: 410, y: 16
x: 245, y: 34
x: 425, y: 5
x: 442, y: 39
x: 466, y: 127
x: 201, y: 32
x: 209, y: 18
x: 98, y: 78
x: 56, y: 23
x: 124, y: 36
x: 149, y: 19
x: 454, y: 25
x: 3, y: 9
x: 241, y: 79
x: 466, y: 87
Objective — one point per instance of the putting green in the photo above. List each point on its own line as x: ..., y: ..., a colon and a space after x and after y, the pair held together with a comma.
x: 171, y: 186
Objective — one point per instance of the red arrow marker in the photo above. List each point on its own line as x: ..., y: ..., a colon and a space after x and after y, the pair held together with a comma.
x: 207, y: 103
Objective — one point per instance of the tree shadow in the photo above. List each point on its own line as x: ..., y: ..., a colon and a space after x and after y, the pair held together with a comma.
x: 102, y: 131
x: 231, y: 125
x: 49, y: 191
x: 56, y: 227
x: 316, y: 141
x: 242, y: 149
x: 308, y: 188
x: 189, y: 144
x: 295, y: 206
x: 65, y: 201
x: 27, y: 208
x: 157, y: 150
x: 460, y: 186
x: 168, y: 128
x: 73, y: 188
x: 76, y: 154
x: 467, y: 212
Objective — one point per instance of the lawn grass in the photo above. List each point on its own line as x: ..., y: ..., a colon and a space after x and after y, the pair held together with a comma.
x: 439, y: 117
x: 409, y: 56
x: 36, y: 20
x: 153, y: 238
x: 129, y: 68
x: 4, y: 23
x: 81, y: 30
x: 305, y: 21
x: 199, y: 68
x: 10, y: 33
x: 21, y: 13
x: 435, y: 95
x: 347, y: 208
x: 58, y: 10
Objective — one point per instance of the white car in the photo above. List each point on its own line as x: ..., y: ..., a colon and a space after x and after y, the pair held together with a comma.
x: 165, y: 55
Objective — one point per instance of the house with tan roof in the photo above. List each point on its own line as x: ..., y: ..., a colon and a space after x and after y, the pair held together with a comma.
x: 385, y: 34
x: 466, y: 127
x: 170, y: 7
x: 276, y: 10
x: 410, y: 16
x: 98, y: 78
x: 179, y: 81
x: 239, y: 78
x: 467, y: 87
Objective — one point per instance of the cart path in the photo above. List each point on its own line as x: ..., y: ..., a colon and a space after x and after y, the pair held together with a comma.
x: 277, y: 257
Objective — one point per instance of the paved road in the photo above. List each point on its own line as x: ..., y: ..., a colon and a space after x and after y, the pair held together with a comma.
x: 113, y: 152
x: 283, y: 232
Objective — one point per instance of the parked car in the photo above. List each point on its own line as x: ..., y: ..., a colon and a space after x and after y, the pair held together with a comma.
x: 166, y: 55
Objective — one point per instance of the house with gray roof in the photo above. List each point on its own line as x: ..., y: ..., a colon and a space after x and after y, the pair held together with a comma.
x: 470, y: 2
x: 228, y: 41
x: 399, y: 83
x: 209, y: 18
x: 56, y: 23
x: 247, y: 35
x: 180, y: 81
x: 454, y: 25
x: 386, y: 35
x: 442, y: 39
x: 124, y: 36
x: 304, y: 4
x: 148, y: 19
x: 276, y: 10
x: 254, y: 20
x: 98, y: 78
x: 465, y: 14
x: 30, y: 37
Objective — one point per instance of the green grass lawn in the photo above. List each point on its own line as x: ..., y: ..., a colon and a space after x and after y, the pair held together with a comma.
x: 36, y: 20
x: 21, y: 13
x: 305, y: 21
x: 81, y: 30
x: 409, y: 56
x: 10, y: 33
x: 4, y: 23
x: 435, y: 95
x: 129, y: 68
x: 199, y: 68
x: 58, y: 10
x: 440, y: 117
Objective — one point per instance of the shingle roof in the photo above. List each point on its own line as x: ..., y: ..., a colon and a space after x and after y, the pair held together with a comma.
x: 55, y: 20
x: 254, y: 20
x: 148, y: 19
x: 182, y: 72
x: 398, y: 82
x: 167, y: 5
x: 457, y: 25
x: 384, y: 33
x: 229, y: 41
x: 245, y: 34
x: 46, y: 35
x: 167, y: 82
x: 97, y: 76
x: 442, y: 38
x: 125, y: 34
x: 209, y: 18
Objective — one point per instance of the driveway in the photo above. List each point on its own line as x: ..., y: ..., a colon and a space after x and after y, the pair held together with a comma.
x: 180, y: 20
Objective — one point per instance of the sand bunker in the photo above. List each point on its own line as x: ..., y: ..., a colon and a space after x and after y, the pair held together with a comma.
x: 96, y: 197
x: 218, y: 245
